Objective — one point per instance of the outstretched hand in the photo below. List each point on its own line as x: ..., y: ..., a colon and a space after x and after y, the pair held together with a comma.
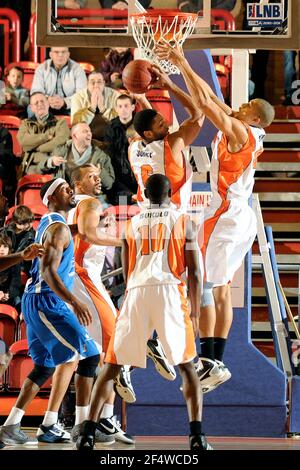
x: 32, y: 251
x: 164, y: 51
x: 162, y: 79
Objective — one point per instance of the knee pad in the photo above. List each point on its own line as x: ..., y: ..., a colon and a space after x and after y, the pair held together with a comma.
x: 207, y: 297
x: 40, y: 374
x: 87, y: 367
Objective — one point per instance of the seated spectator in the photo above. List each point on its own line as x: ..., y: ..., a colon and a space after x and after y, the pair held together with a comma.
x: 94, y: 105
x: 8, y: 163
x: 71, y: 4
x: 113, y: 65
x: 59, y: 78
x: 125, y: 183
x: 79, y: 151
x: 40, y: 135
x: 193, y: 6
x: 10, y: 279
x: 121, y: 5
x: 20, y: 232
x: 16, y: 97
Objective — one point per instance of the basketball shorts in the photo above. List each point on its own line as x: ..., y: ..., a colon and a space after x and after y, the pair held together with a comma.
x: 229, y: 233
x: 163, y: 308
x: 93, y: 294
x: 54, y: 333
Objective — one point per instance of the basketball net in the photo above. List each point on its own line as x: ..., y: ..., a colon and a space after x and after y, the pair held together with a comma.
x: 151, y: 28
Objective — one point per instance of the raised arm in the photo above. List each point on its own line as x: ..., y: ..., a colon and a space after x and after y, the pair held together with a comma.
x: 57, y: 239
x: 88, y: 225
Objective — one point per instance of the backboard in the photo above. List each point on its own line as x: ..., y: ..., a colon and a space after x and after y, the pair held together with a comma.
x: 266, y: 24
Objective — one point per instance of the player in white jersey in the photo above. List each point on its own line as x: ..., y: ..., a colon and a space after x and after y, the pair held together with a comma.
x: 160, y: 245
x: 157, y: 151
x: 230, y: 224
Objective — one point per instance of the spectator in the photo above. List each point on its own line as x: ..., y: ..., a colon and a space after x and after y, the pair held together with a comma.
x: 120, y: 4
x: 113, y: 65
x: 193, y: 6
x: 94, y: 105
x: 7, y: 164
x: 71, y: 4
x: 16, y: 97
x: 20, y: 232
x: 10, y: 279
x: 40, y: 135
x: 290, y: 75
x: 79, y: 151
x: 117, y: 138
x: 59, y: 78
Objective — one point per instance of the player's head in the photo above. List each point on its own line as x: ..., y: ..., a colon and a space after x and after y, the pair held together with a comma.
x: 257, y: 113
x: 57, y: 195
x: 158, y: 189
x: 86, y: 180
x: 150, y: 125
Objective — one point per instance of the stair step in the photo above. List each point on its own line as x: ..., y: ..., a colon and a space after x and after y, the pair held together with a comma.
x: 291, y: 292
x: 267, y: 348
x: 287, y: 279
x: 282, y: 185
x: 278, y: 215
x: 280, y: 155
x: 283, y: 139
x: 279, y: 197
x: 283, y: 127
x: 281, y: 248
x: 278, y: 166
x: 261, y: 314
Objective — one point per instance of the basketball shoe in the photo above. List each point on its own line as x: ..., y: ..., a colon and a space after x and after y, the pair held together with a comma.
x: 53, y: 433
x: 209, y: 373
x: 100, y: 437
x: 123, y: 386
x: 110, y: 426
x: 198, y: 442
x: 156, y: 352
x: 13, y: 435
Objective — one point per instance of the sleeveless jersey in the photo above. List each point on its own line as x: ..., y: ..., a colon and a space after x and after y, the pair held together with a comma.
x: 37, y: 285
x: 232, y: 174
x: 156, y: 157
x: 156, y: 240
x: 88, y: 256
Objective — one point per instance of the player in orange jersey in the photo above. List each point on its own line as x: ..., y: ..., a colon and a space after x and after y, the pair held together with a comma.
x: 160, y: 245
x: 230, y: 223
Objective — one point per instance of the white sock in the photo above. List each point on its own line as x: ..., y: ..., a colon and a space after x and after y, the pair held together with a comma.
x: 107, y: 411
x: 14, y: 417
x: 50, y: 418
x: 81, y: 414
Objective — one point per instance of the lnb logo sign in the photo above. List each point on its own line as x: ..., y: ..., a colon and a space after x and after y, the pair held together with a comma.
x: 270, y: 14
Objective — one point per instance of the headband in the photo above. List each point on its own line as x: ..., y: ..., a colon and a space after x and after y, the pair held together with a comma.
x: 57, y: 182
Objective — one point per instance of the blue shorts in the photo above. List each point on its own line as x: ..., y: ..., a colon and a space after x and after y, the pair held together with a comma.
x: 54, y: 333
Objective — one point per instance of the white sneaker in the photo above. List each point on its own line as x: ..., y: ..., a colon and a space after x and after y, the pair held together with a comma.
x: 156, y: 352
x: 112, y: 427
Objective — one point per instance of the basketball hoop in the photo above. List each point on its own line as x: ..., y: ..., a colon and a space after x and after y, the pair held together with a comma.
x: 153, y: 26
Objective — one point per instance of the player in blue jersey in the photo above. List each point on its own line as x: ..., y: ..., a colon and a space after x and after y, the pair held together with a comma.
x: 56, y: 333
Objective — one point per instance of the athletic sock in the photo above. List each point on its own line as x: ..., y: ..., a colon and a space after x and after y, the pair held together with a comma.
x: 195, y: 428
x: 81, y: 414
x: 50, y: 418
x: 107, y: 411
x: 219, y: 346
x: 207, y: 348
x: 14, y: 417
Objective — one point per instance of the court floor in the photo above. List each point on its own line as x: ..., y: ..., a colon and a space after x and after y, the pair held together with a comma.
x: 178, y: 443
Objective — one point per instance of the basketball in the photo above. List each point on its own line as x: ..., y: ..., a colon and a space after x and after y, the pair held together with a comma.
x: 137, y: 76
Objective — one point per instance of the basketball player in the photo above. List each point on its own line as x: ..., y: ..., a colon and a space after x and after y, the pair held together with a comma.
x: 230, y: 224
x: 89, y: 249
x: 56, y: 335
x: 157, y: 151
x: 160, y: 244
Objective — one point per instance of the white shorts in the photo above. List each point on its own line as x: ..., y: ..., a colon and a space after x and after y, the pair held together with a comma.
x: 228, y: 236
x: 163, y: 308
x: 94, y: 295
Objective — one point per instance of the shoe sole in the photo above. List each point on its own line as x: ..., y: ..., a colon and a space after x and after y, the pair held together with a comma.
x: 124, y: 394
x: 160, y: 369
x: 207, y: 389
x: 8, y: 442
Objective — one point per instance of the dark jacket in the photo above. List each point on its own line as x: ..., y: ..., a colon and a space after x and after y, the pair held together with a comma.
x: 10, y: 282
x: 19, y: 242
x: 117, y: 149
x: 114, y: 62
x: 194, y: 6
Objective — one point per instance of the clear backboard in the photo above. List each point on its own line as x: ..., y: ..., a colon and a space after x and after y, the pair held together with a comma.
x: 253, y: 24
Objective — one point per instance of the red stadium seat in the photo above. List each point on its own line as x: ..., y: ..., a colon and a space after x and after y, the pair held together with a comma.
x: 38, y: 209
x: 20, y: 366
x: 8, y: 323
x: 28, y: 68
x: 66, y: 118
x: 28, y: 189
x: 87, y: 67
x: 12, y: 123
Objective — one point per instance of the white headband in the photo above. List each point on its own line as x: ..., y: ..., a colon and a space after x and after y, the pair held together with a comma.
x: 51, y: 189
